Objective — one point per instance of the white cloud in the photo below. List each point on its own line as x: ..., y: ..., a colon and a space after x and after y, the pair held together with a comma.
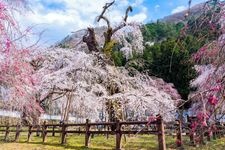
x: 137, y: 3
x: 138, y: 17
x: 157, y: 7
x: 178, y: 9
x: 76, y: 14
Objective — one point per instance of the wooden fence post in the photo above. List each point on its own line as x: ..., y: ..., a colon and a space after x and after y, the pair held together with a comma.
x: 161, y: 133
x: 18, y: 127
x: 6, y: 132
x: 44, y: 132
x: 179, y: 141
x: 79, y: 130
x: 63, y: 135
x: 214, y: 135
x: 209, y: 132
x: 192, y: 137
x: 202, y: 137
x: 38, y: 130
x: 219, y: 131
x: 214, y: 131
x: 222, y: 130
x: 107, y: 134
x: 29, y: 133
x: 118, y: 135
x: 87, y: 133
x: 53, y: 131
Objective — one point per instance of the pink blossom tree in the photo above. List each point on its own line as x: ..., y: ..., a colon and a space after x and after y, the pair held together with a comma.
x: 17, y: 80
x: 208, y: 101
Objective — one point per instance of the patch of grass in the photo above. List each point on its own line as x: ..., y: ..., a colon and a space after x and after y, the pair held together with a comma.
x: 100, y: 142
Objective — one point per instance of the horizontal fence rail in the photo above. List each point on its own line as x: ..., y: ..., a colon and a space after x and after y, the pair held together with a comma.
x: 156, y: 127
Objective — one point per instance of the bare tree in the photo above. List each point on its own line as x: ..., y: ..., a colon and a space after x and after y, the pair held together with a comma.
x: 89, y: 38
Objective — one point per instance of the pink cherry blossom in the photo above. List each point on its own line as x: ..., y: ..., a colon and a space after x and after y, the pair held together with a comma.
x: 213, y: 100
x: 16, y: 74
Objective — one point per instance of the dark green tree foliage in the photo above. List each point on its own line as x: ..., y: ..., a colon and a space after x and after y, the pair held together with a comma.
x: 160, y: 31
x: 171, y: 61
x: 137, y: 62
x: 151, y: 32
x: 170, y: 56
x: 118, y: 58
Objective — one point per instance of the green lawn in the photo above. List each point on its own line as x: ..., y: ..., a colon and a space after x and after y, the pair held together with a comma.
x: 100, y: 142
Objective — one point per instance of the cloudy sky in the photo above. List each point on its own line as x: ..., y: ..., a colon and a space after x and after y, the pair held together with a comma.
x: 59, y: 18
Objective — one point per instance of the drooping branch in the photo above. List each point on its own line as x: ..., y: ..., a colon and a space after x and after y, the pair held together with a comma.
x: 56, y: 91
x: 17, y: 73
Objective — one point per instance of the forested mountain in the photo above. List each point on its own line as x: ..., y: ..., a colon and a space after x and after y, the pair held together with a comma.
x: 178, y: 17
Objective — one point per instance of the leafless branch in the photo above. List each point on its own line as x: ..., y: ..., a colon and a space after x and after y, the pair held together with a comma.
x: 129, y: 9
x: 90, y: 39
x: 107, y: 5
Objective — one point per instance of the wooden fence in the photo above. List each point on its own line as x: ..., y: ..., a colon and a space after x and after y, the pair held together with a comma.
x: 86, y: 129
x: 118, y: 129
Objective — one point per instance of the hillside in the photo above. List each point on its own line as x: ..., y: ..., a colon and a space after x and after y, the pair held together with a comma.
x: 129, y: 40
x: 180, y: 16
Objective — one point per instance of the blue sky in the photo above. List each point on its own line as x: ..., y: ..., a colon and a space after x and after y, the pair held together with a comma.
x: 159, y: 8
x: 61, y: 17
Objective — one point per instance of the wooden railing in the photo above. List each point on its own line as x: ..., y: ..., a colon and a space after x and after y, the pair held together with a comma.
x: 213, y: 131
x: 157, y: 127
x: 120, y: 128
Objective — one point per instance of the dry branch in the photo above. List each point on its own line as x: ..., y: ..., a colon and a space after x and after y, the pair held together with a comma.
x: 90, y: 40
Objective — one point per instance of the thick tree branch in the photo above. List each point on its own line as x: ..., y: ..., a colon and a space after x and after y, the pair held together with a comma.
x: 90, y: 40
